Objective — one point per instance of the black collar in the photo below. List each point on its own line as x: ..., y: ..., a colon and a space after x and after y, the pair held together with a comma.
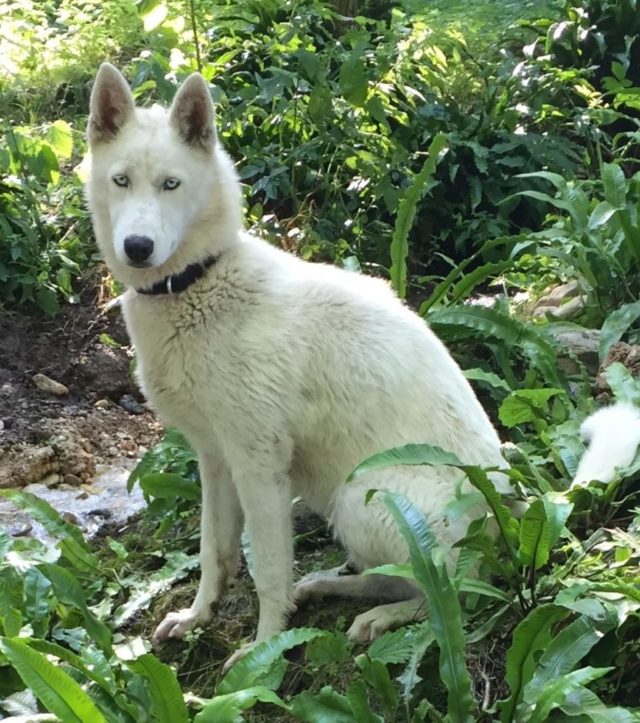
x: 176, y: 283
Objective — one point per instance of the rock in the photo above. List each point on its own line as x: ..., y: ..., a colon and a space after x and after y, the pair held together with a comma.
x: 113, y: 451
x: 105, y: 371
x: 45, y: 384
x: 582, y: 344
x: 129, y: 404
x: 22, y: 530
x: 50, y: 480
x: 7, y: 390
x: 102, y: 404
x: 72, y: 480
x: 562, y: 302
x: 21, y: 465
x: 1, y: 425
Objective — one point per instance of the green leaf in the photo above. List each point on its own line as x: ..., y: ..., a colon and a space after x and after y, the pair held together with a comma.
x: 256, y: 666
x: 354, y: 84
x: 532, y: 635
x: 66, y: 655
x: 525, y: 405
x: 555, y: 178
x: 558, y: 690
x: 325, y: 707
x: 615, y: 325
x: 359, y: 703
x: 47, y: 300
x: 490, y: 378
x: 68, y: 591
x: 445, y: 615
x: 377, y: 677
x: 584, y: 702
x: 624, y: 386
x: 410, y: 677
x: 164, y: 484
x: 564, y: 652
x: 507, y: 523
x: 601, y: 214
x: 54, y: 688
x: 557, y: 510
x: 534, y: 536
x: 396, y: 646
x: 483, y: 322
x: 227, y: 708
x: 404, y: 570
x: 60, y: 138
x: 479, y: 587
x: 328, y: 649
x: 410, y: 454
x: 399, y: 249
x: 614, y: 185
x: 167, y: 702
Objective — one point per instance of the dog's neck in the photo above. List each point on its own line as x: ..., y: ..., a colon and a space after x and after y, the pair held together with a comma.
x: 175, y: 283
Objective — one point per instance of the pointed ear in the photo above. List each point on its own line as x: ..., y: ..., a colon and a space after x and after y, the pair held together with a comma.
x: 111, y: 105
x: 192, y: 113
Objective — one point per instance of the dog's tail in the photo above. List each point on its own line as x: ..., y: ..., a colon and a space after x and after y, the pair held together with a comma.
x: 613, y: 434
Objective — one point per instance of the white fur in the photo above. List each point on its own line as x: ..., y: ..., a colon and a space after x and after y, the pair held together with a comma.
x: 613, y: 434
x: 283, y: 374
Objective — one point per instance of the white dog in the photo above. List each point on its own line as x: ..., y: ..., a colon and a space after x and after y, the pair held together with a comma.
x: 283, y: 374
x: 613, y: 434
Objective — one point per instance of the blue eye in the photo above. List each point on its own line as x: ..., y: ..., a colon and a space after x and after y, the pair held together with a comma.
x: 170, y: 184
x: 121, y: 180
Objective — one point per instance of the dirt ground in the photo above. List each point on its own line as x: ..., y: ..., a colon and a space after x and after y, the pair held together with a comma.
x: 92, y: 413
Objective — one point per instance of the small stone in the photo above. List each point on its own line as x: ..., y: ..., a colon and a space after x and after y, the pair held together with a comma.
x: 6, y: 390
x: 129, y: 404
x: 23, y: 530
x: 102, y: 404
x: 46, y: 384
x: 72, y: 480
x: 70, y: 517
x: 50, y: 480
x: 1, y: 425
x: 113, y: 451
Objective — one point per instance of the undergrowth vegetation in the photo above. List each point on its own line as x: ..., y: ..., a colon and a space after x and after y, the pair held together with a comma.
x: 464, y: 151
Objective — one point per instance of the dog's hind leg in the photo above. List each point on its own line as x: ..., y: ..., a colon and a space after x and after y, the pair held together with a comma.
x: 219, y: 547
x: 405, y: 604
x: 330, y: 583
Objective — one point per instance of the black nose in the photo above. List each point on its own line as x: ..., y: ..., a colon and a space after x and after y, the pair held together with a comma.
x: 138, y: 248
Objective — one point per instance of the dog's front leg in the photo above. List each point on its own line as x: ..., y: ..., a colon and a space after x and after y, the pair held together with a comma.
x: 265, y: 495
x: 220, y: 532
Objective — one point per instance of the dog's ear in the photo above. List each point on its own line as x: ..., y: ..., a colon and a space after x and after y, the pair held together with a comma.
x: 192, y: 112
x: 111, y: 105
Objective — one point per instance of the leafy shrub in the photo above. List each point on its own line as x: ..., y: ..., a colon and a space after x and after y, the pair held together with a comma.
x: 593, y: 237
x: 44, y: 229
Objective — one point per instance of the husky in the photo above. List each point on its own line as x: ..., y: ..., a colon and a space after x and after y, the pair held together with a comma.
x: 283, y: 374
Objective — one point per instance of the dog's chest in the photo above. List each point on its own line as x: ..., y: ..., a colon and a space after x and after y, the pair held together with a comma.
x: 181, y: 368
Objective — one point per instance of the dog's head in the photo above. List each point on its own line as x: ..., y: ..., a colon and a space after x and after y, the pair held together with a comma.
x: 153, y: 174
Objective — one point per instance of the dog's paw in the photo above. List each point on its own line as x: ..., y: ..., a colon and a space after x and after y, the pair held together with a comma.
x: 238, y: 655
x: 369, y: 626
x: 176, y: 624
x: 372, y: 624
x: 304, y: 592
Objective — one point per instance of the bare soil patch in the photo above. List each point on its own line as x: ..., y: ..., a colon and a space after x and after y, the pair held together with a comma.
x: 59, y: 438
